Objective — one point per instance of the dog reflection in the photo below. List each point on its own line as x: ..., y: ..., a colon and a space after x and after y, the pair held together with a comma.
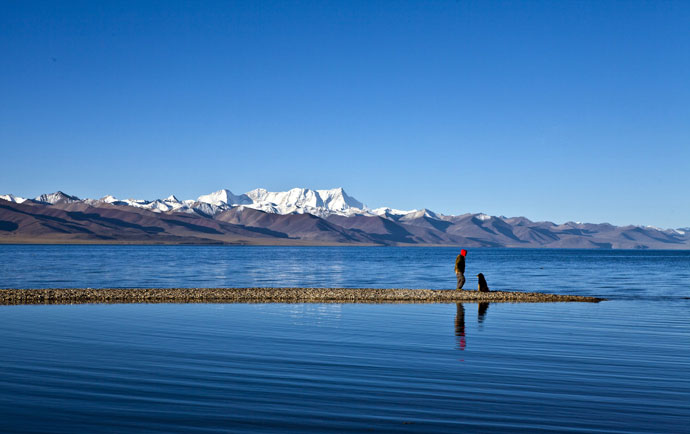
x: 481, y: 314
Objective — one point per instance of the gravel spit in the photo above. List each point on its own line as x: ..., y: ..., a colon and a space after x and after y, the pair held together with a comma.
x: 274, y: 295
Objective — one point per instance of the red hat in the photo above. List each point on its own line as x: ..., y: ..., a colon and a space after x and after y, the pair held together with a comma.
x: 463, y: 252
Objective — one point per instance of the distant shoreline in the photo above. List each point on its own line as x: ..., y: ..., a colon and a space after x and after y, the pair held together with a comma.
x: 274, y: 295
x: 305, y: 243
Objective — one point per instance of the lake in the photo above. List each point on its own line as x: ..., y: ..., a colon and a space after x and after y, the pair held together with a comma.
x: 622, y: 365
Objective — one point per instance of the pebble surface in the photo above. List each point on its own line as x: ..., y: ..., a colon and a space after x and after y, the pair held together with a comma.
x: 274, y: 295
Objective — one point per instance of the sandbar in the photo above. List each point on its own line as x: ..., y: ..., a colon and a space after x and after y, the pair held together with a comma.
x: 275, y: 295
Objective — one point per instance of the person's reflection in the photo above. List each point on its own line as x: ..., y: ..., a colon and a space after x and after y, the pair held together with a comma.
x: 460, y: 322
x: 460, y: 327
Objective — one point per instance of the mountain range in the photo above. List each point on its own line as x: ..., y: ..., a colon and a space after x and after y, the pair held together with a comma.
x: 298, y: 216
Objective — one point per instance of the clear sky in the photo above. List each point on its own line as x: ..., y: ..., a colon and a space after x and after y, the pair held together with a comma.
x: 555, y: 110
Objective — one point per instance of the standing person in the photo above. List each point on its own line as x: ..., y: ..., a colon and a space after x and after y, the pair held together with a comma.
x: 460, y: 268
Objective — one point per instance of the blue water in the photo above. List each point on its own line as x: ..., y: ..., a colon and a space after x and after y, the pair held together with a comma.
x: 616, y: 274
x: 618, y: 366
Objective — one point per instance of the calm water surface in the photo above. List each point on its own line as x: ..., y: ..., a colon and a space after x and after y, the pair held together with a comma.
x: 618, y: 366
x: 611, y: 274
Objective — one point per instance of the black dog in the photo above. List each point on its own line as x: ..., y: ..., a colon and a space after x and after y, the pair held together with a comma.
x: 483, y: 286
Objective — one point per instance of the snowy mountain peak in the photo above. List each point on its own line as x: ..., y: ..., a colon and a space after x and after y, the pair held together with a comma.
x: 257, y: 194
x: 57, y: 197
x: 12, y: 198
x: 337, y: 200
x: 421, y: 213
x: 387, y: 212
x: 171, y: 198
x: 223, y: 197
x: 303, y: 200
x: 108, y: 199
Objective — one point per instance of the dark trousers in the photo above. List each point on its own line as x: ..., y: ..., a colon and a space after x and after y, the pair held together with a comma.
x: 461, y: 280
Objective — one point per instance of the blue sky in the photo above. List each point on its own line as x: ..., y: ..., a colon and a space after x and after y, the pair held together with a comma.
x: 553, y: 110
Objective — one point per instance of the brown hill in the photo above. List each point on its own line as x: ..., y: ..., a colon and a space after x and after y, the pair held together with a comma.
x: 83, y: 223
x: 296, y: 226
x: 69, y: 220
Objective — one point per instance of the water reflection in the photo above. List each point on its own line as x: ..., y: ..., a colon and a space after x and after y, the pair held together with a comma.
x: 460, y: 322
x: 460, y: 327
x: 481, y: 314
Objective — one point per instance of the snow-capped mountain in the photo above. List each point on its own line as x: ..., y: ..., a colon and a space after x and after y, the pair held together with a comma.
x: 57, y: 197
x: 171, y: 203
x: 389, y: 212
x: 300, y: 215
x: 225, y: 197
x: 12, y: 198
x: 418, y: 214
x: 321, y: 203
